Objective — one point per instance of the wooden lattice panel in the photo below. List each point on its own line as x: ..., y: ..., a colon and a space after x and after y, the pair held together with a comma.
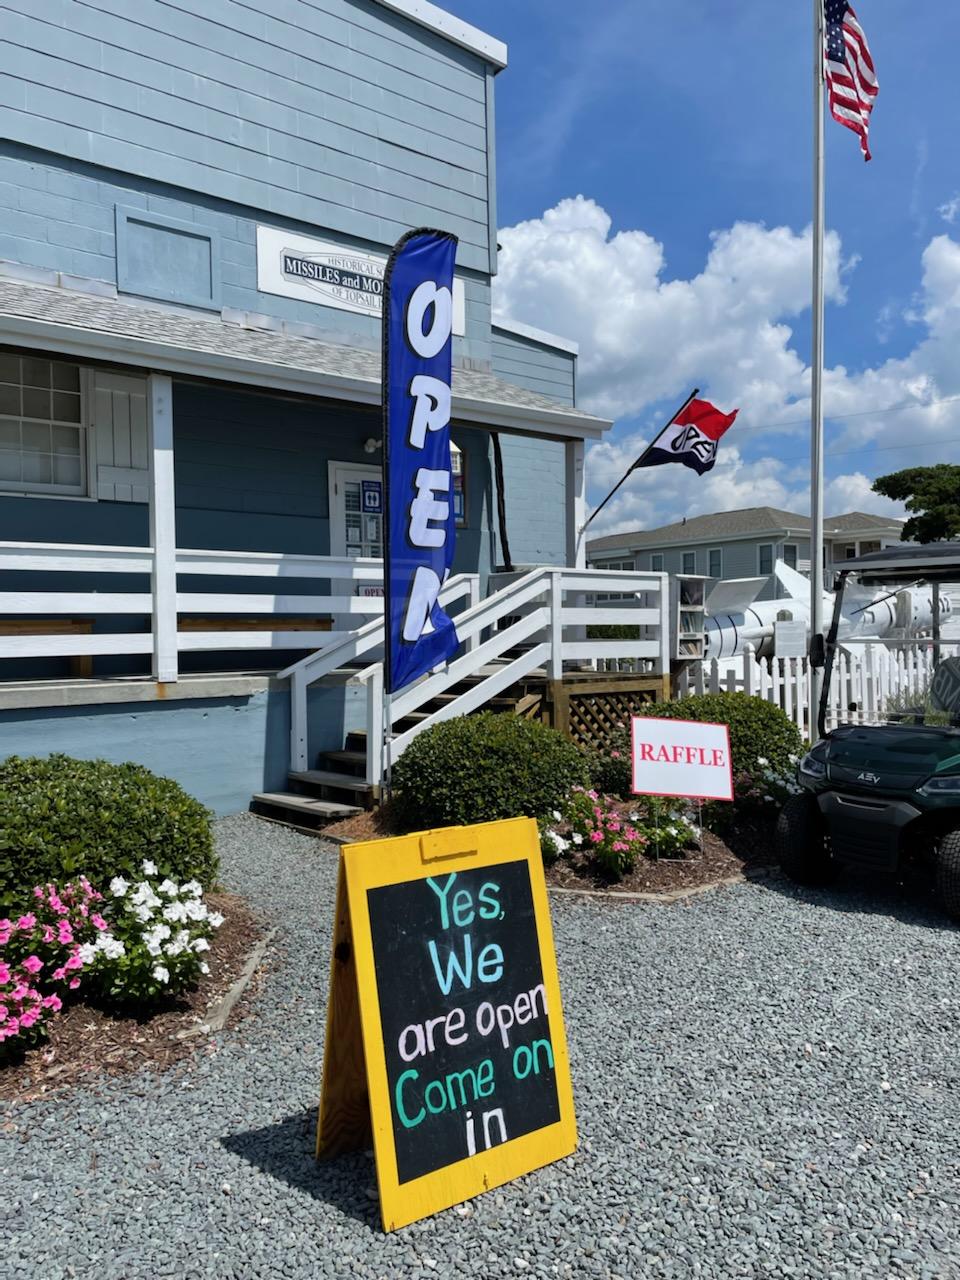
x: 595, y: 717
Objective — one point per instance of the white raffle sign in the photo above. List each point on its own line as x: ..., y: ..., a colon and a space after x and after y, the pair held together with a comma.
x: 681, y: 758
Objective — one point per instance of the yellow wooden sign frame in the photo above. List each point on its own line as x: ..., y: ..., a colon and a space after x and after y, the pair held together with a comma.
x: 355, y: 1096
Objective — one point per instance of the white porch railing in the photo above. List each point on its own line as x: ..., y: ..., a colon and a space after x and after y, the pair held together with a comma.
x: 167, y: 631
x: 864, y: 687
x: 537, y: 620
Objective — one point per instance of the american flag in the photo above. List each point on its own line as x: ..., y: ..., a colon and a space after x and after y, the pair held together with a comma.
x: 848, y: 68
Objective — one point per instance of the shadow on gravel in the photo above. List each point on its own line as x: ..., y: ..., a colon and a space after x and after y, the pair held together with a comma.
x: 285, y: 1151
x: 911, y: 899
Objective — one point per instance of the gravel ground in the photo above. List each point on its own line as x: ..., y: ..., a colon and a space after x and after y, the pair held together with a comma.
x: 766, y: 1084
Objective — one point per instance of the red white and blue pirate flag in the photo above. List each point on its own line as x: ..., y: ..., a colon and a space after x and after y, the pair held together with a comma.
x: 691, y: 438
x: 849, y: 71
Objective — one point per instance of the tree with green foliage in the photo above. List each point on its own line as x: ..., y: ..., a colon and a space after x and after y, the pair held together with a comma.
x: 932, y: 494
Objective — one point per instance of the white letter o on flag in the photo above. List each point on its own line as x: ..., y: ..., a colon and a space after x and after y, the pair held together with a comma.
x: 423, y: 297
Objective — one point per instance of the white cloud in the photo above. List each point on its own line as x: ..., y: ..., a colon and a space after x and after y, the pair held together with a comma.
x: 646, y: 339
x: 950, y: 209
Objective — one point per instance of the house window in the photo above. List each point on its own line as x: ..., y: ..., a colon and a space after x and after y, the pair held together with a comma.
x: 867, y: 547
x: 42, y: 433
x: 765, y: 559
x: 622, y: 566
x: 790, y: 554
x: 715, y: 562
x: 689, y: 562
x: 459, y: 485
x: 656, y: 562
x: 850, y: 551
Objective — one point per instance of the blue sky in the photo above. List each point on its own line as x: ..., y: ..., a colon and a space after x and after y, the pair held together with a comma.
x: 686, y: 134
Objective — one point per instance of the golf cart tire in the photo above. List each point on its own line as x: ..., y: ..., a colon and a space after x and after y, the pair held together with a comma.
x: 800, y: 842
x: 948, y: 873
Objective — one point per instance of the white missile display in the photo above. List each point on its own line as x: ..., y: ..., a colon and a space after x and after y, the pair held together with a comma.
x: 737, y: 619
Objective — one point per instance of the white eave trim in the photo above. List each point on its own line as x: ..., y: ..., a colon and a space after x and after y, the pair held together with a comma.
x: 537, y: 335
x: 453, y: 29
x: 162, y: 357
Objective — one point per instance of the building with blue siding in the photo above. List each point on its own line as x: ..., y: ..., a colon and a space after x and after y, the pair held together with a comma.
x: 197, y: 200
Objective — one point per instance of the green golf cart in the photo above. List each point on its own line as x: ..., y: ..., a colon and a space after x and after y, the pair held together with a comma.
x: 877, y: 796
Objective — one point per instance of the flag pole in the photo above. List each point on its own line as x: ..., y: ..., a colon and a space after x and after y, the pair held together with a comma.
x: 633, y: 466
x: 816, y: 370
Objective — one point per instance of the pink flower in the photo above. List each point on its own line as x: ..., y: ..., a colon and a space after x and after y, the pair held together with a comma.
x: 10, y: 1028
x: 613, y: 826
x: 98, y: 921
x: 3, y: 1013
x: 59, y: 974
x: 620, y: 847
x: 74, y: 962
x: 19, y: 991
x: 74, y: 983
x: 53, y: 1002
x: 4, y: 974
x: 596, y: 837
x: 64, y: 932
x: 29, y: 1018
x: 33, y: 964
x: 614, y: 755
x: 38, y: 891
x: 26, y: 923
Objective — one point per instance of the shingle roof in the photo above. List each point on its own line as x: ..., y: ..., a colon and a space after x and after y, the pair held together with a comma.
x: 730, y: 524
x: 253, y: 343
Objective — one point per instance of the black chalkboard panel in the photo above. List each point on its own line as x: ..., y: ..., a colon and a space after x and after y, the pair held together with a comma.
x: 463, y: 1009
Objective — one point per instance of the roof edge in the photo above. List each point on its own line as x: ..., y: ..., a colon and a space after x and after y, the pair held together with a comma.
x: 453, y: 29
x: 537, y: 335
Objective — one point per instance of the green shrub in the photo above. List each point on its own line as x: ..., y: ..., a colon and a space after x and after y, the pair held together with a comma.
x: 483, y: 767
x: 763, y: 740
x: 60, y: 818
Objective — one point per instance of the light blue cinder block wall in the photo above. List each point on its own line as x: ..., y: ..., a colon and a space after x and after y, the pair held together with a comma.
x: 60, y: 214
x: 221, y: 750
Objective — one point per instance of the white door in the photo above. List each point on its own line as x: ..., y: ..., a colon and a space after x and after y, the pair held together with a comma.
x: 356, y: 510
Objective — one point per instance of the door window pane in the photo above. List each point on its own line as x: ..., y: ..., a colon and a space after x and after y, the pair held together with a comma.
x: 716, y: 563
x: 790, y: 554
x: 765, y: 559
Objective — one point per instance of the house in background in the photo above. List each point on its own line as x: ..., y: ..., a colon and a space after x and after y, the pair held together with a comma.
x: 197, y: 201
x: 742, y: 544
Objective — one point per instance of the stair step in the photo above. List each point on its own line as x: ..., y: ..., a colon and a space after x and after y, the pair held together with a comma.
x: 321, y: 778
x: 305, y: 806
x: 347, y: 757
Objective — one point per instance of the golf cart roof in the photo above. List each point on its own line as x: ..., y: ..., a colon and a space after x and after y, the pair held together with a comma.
x: 908, y: 562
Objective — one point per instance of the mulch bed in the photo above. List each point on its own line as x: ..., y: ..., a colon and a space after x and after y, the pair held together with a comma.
x: 86, y: 1041
x: 745, y: 847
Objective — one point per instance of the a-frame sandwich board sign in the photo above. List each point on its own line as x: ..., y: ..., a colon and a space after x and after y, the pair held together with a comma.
x: 445, y: 1035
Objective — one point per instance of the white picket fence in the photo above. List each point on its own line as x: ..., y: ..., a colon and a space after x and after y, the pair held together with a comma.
x: 861, y: 685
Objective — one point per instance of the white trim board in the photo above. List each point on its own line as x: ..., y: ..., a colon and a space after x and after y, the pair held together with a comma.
x: 453, y: 29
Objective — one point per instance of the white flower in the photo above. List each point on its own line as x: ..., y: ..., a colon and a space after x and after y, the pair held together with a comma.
x: 87, y: 952
x: 216, y: 919
x: 195, y: 910
x: 168, y: 887
x: 111, y: 947
x: 143, y: 914
x: 204, y: 967
x: 761, y: 760
x: 557, y: 815
x: 193, y: 889
x: 176, y: 911
x: 577, y: 838
x: 149, y: 868
x: 153, y: 947
x: 161, y: 973
x: 201, y: 944
x: 118, y: 886
x: 179, y: 943
x: 143, y: 896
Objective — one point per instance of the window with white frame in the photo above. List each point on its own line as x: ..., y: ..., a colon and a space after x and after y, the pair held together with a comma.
x: 623, y: 566
x: 790, y: 554
x: 715, y: 562
x: 656, y: 562
x: 765, y: 559
x: 42, y: 434
x: 689, y: 562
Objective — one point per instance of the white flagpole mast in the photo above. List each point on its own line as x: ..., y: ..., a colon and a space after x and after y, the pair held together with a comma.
x: 816, y: 371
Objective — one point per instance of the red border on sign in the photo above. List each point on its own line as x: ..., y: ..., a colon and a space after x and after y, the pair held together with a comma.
x: 684, y: 795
